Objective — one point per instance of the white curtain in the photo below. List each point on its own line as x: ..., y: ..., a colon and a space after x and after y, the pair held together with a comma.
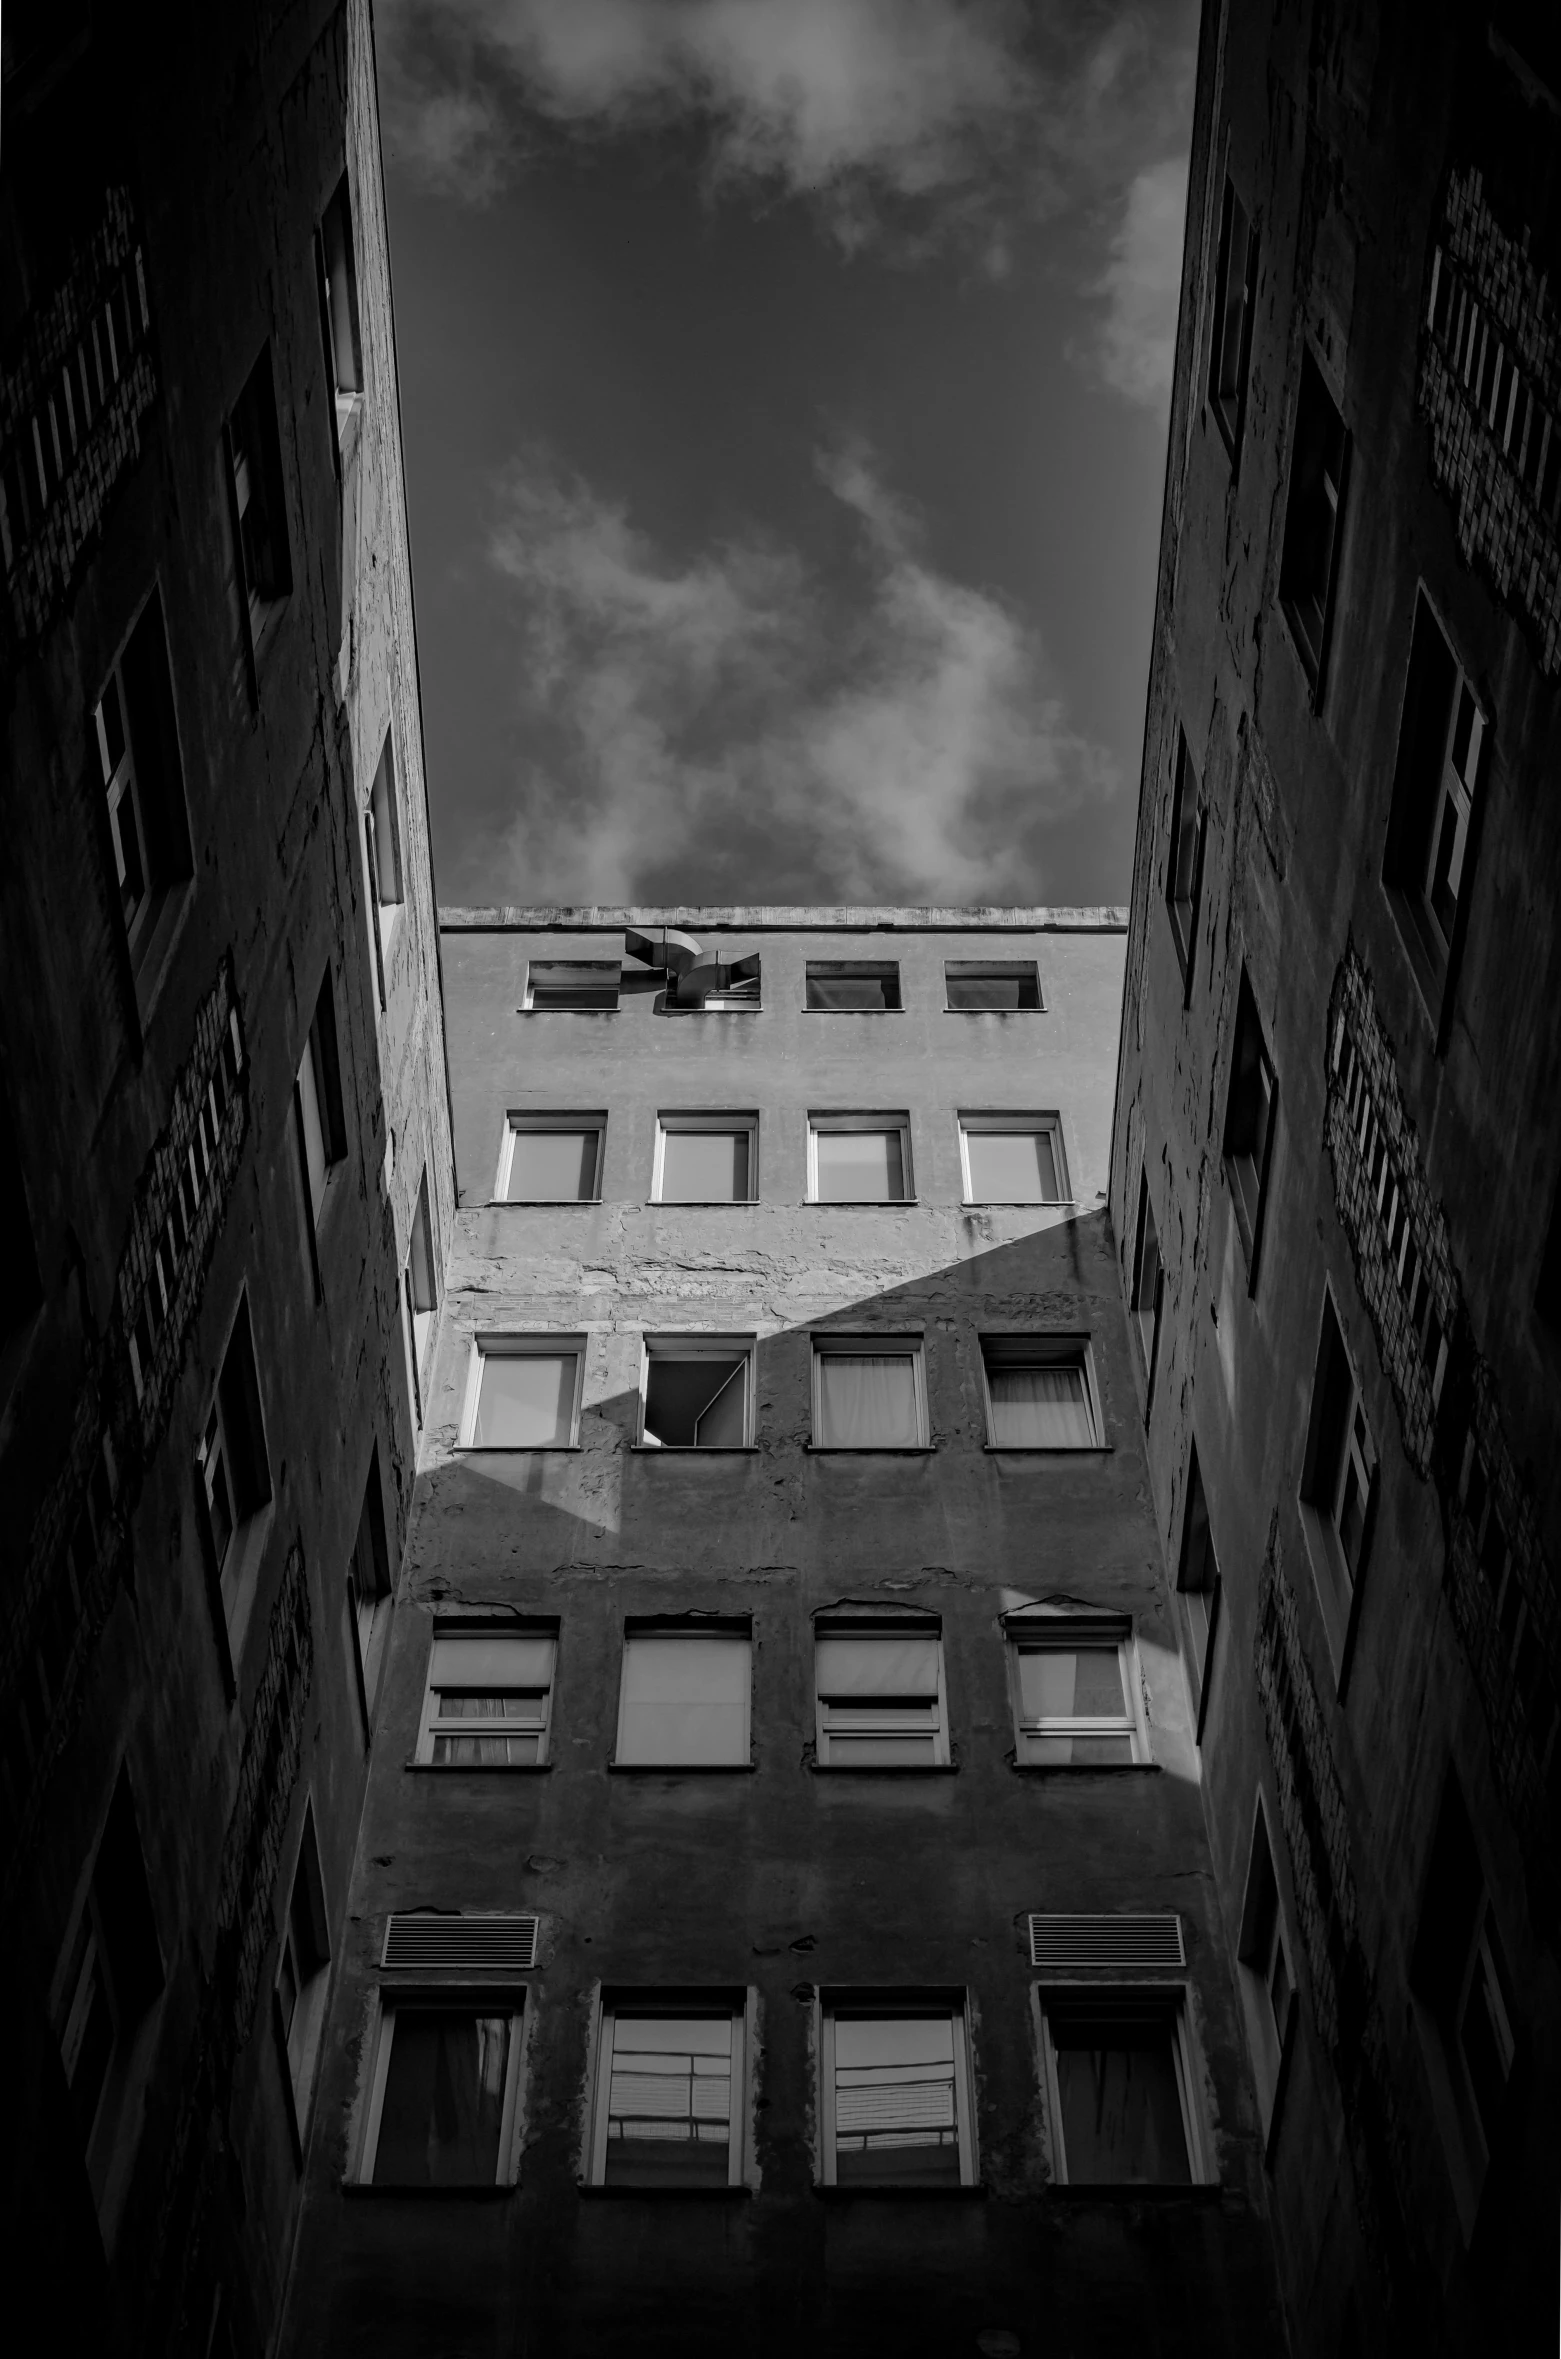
x: 868, y: 1401
x: 1039, y: 1409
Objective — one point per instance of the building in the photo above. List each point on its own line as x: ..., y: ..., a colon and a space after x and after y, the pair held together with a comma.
x: 782, y: 1918
x: 224, y: 1135
x: 1335, y: 1163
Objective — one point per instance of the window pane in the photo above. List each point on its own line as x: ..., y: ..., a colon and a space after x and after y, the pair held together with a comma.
x: 313, y: 1130
x: 444, y: 2100
x: 1012, y: 1167
x: 868, y: 1402
x: 1083, y: 1683
x: 685, y: 1700
x: 1078, y: 1752
x: 898, y: 1664
x: 971, y: 988
x: 866, y: 988
x: 491, y: 1662
x: 859, y: 1167
x: 1040, y: 1409
x: 896, y: 2121
x: 669, y: 2102
x: 1121, y: 2111
x: 553, y: 1167
x: 695, y: 1404
x: 880, y: 1749
x: 704, y: 1167
x: 526, y: 1400
x: 507, y: 1750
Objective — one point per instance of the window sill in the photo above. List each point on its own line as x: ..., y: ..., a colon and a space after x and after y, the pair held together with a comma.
x: 517, y: 1449
x: 693, y: 1450
x: 871, y: 1449
x: 973, y: 2192
x: 996, y: 1011
x: 543, y: 1203
x: 861, y: 1203
x: 1135, y: 2191
x: 1085, y: 1768
x: 1020, y: 1204
x: 852, y: 1011
x: 1048, y: 1449
x: 568, y: 1011
x: 700, y: 1203
x: 595, y: 2192
x: 681, y: 1768
x: 360, y: 2188
x: 883, y: 1769
x: 477, y: 1768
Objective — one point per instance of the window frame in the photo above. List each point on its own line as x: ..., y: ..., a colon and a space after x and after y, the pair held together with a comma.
x: 1437, y: 685
x: 697, y: 1346
x: 1054, y: 1997
x: 871, y: 1347
x: 310, y: 1968
x: 461, y: 1999
x: 1064, y: 1630
x: 833, y: 1123
x: 649, y: 1629
x: 261, y: 605
x: 453, y: 1629
x: 1184, y: 933
x: 1201, y: 1649
x: 999, y: 1122
x: 236, y: 1410
x: 1146, y: 1236
x: 712, y: 1120
x: 1229, y: 407
x: 879, y: 2005
x: 598, y: 966
x: 317, y: 1083
x: 420, y: 1296
x: 530, y: 1343
x: 340, y: 315
x: 842, y: 1623
x: 1238, y: 1159
x: 976, y: 970
x: 1263, y: 1937
x: 1338, y: 1582
x: 884, y: 971
x: 149, y: 774
x: 1313, y: 382
x: 382, y: 855
x: 739, y: 2007
x: 1050, y: 1350
x: 528, y: 1123
x: 370, y: 1596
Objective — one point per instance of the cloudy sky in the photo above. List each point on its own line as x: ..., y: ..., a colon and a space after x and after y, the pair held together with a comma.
x: 784, y: 387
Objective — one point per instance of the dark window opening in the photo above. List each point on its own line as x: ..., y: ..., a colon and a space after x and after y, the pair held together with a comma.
x: 1148, y: 1282
x: 143, y: 780
x: 578, y: 985
x: 339, y: 301
x: 853, y: 985
x: 1441, y: 753
x: 116, y: 1969
x: 322, y: 1121
x: 1459, y: 1972
x: 1313, y: 516
x: 1198, y: 1586
x: 233, y: 1469
x: 1004, y: 987
x: 1235, y: 295
x: 696, y: 1403
x: 1184, y: 861
x: 259, y: 506
x: 1249, y: 1126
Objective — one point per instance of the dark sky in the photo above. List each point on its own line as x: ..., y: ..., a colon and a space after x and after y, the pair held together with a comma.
x: 783, y: 387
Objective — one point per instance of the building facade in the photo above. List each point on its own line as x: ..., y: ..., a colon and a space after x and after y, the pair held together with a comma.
x: 224, y: 1141
x: 1335, y: 1154
x: 782, y: 1917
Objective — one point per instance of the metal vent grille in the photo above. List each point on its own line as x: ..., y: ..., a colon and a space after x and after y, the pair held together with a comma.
x: 1107, y: 1941
x: 461, y: 1944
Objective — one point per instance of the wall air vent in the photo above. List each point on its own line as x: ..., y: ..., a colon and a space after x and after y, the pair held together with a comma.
x: 1066, y: 1942
x: 429, y: 1944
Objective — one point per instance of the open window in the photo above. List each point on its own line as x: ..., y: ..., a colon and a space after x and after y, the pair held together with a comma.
x: 303, y: 1971
x: 420, y: 1293
x: 573, y: 986
x: 1338, y: 1485
x: 317, y: 1103
x: 489, y: 1699
x: 859, y: 1159
x: 444, y: 2099
x: 1235, y: 296
x: 382, y: 850
x: 1198, y: 1590
x: 698, y: 1393
x: 1268, y: 1976
x: 1443, y: 749
x: 880, y: 1691
x: 552, y: 1159
x: 706, y: 1159
x: 869, y: 1393
x: 233, y: 1481
x: 895, y: 2102
x: 254, y: 450
x: 1148, y: 1296
x: 853, y: 986
x: 143, y: 780
x: 1013, y: 1159
x: 1468, y: 2021
x: 993, y: 986
x: 684, y: 1698
x: 670, y: 2089
x: 1121, y: 2088
x: 1040, y: 1393
x: 339, y: 304
x: 1073, y: 1680
x: 109, y: 1982
x: 368, y: 1584
x: 1250, y: 1112
x: 1184, y: 862
x: 1314, y: 515
x: 523, y: 1392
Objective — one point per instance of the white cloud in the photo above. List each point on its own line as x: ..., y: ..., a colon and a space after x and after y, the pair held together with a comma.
x: 688, y: 724
x: 1141, y: 285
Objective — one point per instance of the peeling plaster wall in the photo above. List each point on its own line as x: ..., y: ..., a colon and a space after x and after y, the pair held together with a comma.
x: 787, y: 1878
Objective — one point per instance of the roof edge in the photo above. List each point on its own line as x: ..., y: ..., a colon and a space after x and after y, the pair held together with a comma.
x: 772, y: 917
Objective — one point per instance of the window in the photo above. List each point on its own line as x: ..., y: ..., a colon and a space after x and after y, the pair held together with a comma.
x: 143, y: 779
x: 339, y: 303
x: 698, y: 1393
x: 442, y: 2109
x: 234, y: 1479
x: 896, y: 2108
x: 859, y: 1159
x: 368, y: 1582
x: 862, y: 986
x: 113, y: 1974
x: 420, y: 1292
x: 1184, y: 863
x: 1268, y: 1983
x: 707, y: 1159
x: 1235, y: 292
x: 669, y: 2090
x: 1249, y: 1126
x: 259, y: 512
x: 1012, y: 1159
x: 1198, y: 1587
x: 1459, y: 1975
x: 1337, y: 1482
x: 523, y: 1392
x: 684, y: 1699
x: 382, y: 845
x: 1040, y: 1393
x: 552, y: 1159
x: 303, y: 1968
x: 712, y: 986
x: 317, y: 1101
x: 1442, y: 745
x: 880, y: 1691
x: 1309, y: 565
x: 993, y: 986
x: 489, y: 1698
x: 582, y: 986
x: 869, y: 1393
x: 1075, y: 1687
x: 1120, y: 2088
x: 1148, y: 1283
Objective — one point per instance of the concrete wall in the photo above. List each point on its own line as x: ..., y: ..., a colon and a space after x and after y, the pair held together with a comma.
x: 218, y: 141
x: 1351, y: 140
x: 787, y: 1879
